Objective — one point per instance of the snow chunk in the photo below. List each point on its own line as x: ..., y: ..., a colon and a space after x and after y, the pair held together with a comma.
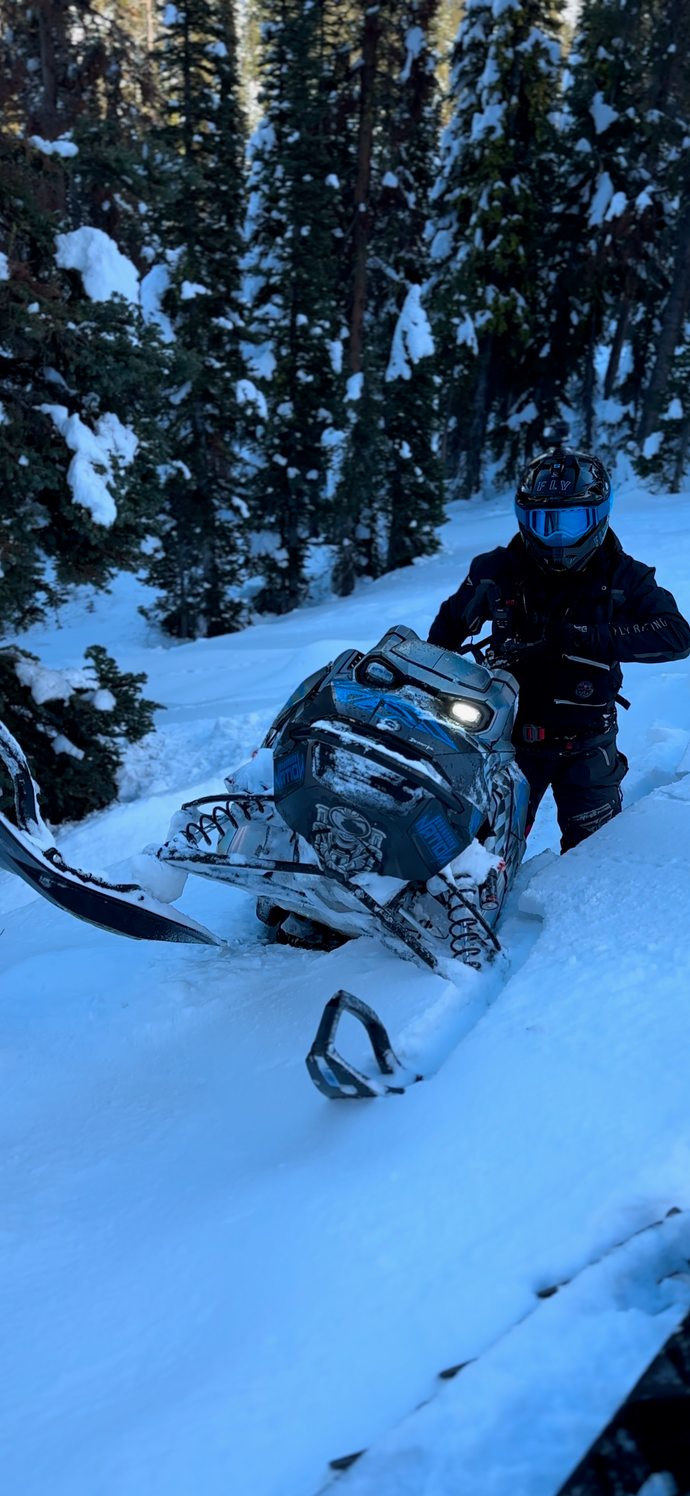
x: 490, y: 119
x: 61, y: 147
x: 675, y: 411
x: 466, y: 334
x: 104, y: 270
x: 259, y: 358
x: 618, y: 205
x: 103, y: 700
x: 601, y: 199
x: 254, y: 776
x: 652, y: 444
x: 335, y: 350
x: 161, y: 880
x: 217, y: 49
x: 353, y: 390
x: 602, y: 113
x: 170, y: 15
x: 475, y: 863
x: 247, y: 394
x: 499, y: 6
x: 412, y: 338
x: 91, y: 467
x: 522, y: 417
x: 332, y: 180
x: 189, y: 289
x: 61, y: 744
x: 441, y: 244
x: 4, y: 267
x: 153, y: 287
x: 414, y: 41
x: 390, y: 180
x: 643, y: 200
x: 48, y: 685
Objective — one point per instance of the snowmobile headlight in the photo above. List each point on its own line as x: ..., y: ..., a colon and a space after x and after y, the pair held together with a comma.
x: 466, y: 713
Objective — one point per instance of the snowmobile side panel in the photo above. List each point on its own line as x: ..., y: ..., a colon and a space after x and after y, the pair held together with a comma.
x: 122, y: 909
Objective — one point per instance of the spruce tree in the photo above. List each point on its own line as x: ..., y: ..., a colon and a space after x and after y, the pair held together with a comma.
x: 294, y: 351
x: 390, y: 497
x: 492, y: 210
x: 197, y: 187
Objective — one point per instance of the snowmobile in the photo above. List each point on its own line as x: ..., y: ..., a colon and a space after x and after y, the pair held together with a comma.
x: 385, y: 800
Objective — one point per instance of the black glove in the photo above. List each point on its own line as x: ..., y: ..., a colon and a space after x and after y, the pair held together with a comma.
x: 557, y: 639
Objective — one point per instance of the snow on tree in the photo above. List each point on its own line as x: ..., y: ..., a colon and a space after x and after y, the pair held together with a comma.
x: 294, y: 346
x: 197, y: 186
x: 492, y: 201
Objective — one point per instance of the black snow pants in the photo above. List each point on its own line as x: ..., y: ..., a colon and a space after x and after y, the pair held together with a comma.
x: 586, y: 783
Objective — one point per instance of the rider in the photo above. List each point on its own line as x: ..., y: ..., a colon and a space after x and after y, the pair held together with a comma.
x: 567, y: 605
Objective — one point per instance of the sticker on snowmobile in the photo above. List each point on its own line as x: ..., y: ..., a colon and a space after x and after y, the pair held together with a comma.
x: 436, y: 834
x: 289, y: 770
x: 345, y: 842
x: 352, y: 694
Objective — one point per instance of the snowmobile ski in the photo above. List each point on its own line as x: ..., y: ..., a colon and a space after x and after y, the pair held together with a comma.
x: 335, y: 1077
x: 121, y: 908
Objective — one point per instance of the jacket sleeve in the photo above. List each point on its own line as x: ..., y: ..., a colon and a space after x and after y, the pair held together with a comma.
x: 647, y: 626
x: 463, y: 613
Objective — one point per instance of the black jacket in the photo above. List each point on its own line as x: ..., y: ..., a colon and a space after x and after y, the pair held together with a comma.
x: 628, y: 617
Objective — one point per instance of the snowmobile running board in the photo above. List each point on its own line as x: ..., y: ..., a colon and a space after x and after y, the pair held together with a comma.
x: 335, y: 1077
x: 120, y: 908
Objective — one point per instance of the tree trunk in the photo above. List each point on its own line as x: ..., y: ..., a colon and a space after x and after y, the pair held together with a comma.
x: 681, y: 455
x: 588, y: 387
x: 624, y: 311
x: 478, y: 420
x: 361, y: 226
x: 674, y: 315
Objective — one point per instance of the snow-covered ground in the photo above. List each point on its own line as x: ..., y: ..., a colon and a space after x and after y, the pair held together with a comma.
x: 215, y: 1281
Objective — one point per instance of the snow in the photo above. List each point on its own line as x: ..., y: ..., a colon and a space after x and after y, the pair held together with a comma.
x: 651, y: 445
x: 602, y: 113
x: 4, y: 267
x: 62, y: 147
x: 412, y: 338
x: 353, y: 391
x: 153, y: 287
x: 603, y: 193
x: 50, y: 685
x: 105, y: 271
x: 414, y: 42
x: 215, y: 1280
x: 91, y: 465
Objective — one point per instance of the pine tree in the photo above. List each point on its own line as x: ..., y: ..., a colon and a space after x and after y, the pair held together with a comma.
x: 493, y: 204
x: 198, y: 193
x: 294, y: 353
x: 79, y: 378
x: 390, y: 497
x: 73, y: 726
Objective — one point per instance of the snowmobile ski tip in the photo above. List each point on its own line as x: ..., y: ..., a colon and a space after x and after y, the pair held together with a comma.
x: 335, y: 1077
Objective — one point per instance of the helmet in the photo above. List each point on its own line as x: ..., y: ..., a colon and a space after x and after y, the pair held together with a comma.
x: 563, y: 503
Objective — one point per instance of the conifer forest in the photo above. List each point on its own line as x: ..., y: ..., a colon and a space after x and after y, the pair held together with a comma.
x: 277, y: 279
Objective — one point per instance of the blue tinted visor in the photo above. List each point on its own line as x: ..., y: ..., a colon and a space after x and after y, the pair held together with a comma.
x: 562, y: 527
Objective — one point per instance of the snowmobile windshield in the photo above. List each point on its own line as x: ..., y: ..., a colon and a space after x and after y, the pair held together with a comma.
x: 561, y: 526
